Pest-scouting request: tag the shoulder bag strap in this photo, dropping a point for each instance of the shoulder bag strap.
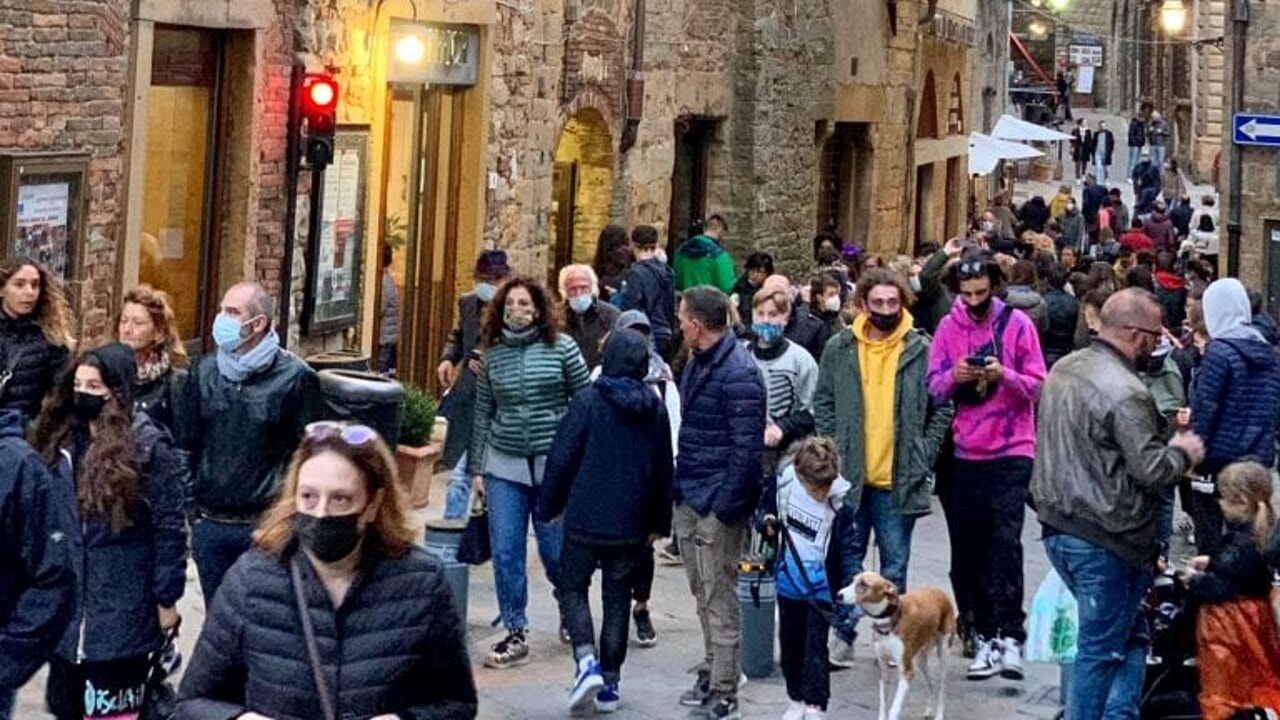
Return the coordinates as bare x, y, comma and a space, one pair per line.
997, 337
322, 687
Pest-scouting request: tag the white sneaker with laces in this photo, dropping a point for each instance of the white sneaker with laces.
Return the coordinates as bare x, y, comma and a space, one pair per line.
795, 711
1010, 659
986, 661
840, 653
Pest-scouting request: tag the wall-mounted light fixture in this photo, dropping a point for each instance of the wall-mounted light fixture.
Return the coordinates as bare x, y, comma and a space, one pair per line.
1173, 16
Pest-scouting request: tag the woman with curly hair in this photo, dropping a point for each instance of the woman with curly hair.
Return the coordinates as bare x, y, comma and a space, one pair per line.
35, 334
339, 543
529, 374
130, 551
147, 325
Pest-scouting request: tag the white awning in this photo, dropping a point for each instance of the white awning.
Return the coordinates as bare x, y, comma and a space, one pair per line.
1009, 127
985, 152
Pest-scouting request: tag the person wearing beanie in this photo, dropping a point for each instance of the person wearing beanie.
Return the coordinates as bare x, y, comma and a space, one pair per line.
457, 372
1235, 401
130, 532
608, 476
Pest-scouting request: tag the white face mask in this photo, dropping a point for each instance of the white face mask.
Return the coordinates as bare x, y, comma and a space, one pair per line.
832, 304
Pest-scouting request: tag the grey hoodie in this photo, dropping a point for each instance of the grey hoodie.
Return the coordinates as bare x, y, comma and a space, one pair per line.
1227, 314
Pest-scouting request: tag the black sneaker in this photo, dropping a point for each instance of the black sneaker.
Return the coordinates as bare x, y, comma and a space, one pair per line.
697, 695
646, 636
511, 651
726, 708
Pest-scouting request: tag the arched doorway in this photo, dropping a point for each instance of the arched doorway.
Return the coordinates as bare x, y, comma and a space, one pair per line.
583, 189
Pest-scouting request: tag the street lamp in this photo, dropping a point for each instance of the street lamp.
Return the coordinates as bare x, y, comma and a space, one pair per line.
1173, 16
410, 50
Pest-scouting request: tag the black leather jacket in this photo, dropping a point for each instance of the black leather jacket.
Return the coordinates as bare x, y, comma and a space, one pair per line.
241, 435
1100, 462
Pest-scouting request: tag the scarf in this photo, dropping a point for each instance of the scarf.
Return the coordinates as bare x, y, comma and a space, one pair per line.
154, 367
237, 367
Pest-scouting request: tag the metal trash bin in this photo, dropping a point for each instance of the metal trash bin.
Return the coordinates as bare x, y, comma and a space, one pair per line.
366, 398
757, 596
441, 542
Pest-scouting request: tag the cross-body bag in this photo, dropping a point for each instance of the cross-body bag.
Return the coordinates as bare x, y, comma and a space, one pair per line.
317, 671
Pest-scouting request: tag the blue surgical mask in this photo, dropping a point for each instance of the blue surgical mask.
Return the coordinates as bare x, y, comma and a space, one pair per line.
226, 332
485, 291
768, 333
581, 303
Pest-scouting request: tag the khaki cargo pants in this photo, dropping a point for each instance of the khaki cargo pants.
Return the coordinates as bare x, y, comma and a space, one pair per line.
711, 551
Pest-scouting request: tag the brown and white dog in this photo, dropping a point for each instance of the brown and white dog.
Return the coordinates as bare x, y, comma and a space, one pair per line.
907, 629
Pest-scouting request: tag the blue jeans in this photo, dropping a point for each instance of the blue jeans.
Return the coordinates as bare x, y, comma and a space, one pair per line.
1157, 156
893, 535
510, 509
1135, 156
458, 494
1100, 171
7, 698
215, 546
1111, 637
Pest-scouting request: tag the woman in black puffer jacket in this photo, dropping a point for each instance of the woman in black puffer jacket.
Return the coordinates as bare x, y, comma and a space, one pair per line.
35, 334
389, 638
130, 548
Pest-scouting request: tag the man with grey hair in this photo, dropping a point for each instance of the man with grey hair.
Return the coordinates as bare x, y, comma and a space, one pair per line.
243, 411
716, 488
1099, 470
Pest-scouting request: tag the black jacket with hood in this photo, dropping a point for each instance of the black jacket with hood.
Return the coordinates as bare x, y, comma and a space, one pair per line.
37, 545
609, 468
651, 287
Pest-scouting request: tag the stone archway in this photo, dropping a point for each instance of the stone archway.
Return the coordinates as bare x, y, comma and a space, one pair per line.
582, 188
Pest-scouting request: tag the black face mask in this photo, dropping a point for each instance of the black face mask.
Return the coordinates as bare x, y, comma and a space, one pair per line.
883, 322
88, 407
979, 311
329, 539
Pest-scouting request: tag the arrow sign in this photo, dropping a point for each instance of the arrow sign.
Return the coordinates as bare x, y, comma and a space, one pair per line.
1256, 130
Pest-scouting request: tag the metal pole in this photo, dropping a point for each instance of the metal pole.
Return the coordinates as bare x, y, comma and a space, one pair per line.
291, 204
1239, 39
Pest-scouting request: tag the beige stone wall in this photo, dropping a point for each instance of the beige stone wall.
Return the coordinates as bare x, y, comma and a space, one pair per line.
1212, 101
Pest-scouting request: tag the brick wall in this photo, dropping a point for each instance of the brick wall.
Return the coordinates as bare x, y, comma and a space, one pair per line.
272, 110
63, 74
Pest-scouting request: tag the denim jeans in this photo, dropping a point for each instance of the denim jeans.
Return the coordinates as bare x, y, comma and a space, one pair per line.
458, 494
1111, 635
7, 698
215, 546
618, 568
1100, 171
988, 506
1157, 156
510, 510
893, 536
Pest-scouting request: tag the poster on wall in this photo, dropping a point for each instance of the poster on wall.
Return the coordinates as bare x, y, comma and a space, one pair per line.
42, 210
333, 261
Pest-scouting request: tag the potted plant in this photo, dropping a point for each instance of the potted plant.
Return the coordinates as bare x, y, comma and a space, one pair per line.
416, 455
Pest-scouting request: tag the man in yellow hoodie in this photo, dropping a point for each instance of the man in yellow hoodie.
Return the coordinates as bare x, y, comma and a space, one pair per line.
873, 400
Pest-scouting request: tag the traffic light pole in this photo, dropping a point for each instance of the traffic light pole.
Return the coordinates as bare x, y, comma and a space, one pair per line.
291, 205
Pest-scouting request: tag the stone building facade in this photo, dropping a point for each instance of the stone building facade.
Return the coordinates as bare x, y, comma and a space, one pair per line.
1184, 79
1115, 26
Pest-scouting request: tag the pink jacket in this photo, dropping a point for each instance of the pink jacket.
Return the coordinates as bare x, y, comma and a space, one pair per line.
1004, 425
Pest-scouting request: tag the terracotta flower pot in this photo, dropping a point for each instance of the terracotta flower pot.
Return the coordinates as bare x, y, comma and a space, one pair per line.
417, 466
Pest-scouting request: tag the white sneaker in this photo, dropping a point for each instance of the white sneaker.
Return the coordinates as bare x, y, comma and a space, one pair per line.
795, 711
1010, 659
586, 682
813, 713
986, 661
840, 653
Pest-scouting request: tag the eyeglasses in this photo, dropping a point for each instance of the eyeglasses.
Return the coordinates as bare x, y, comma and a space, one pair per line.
351, 434
1153, 333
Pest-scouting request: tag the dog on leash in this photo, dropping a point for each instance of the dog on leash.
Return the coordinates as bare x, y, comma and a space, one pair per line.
907, 629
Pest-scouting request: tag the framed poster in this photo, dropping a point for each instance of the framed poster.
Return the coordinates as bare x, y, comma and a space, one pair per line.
43, 213
334, 254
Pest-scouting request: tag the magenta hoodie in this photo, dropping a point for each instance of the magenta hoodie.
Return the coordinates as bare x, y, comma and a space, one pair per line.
1004, 425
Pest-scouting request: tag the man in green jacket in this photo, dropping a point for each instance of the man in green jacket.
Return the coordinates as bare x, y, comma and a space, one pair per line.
873, 401
702, 261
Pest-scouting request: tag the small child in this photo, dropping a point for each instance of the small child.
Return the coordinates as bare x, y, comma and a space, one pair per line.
1238, 647
815, 526
608, 477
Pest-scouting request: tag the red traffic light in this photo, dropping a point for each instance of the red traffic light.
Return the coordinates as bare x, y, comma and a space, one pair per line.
320, 92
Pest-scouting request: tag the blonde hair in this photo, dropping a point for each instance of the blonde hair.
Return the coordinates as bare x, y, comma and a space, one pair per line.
160, 307
1245, 489
780, 300
817, 462
388, 533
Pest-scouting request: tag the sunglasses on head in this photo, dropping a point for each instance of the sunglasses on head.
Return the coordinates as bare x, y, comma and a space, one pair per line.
972, 269
351, 434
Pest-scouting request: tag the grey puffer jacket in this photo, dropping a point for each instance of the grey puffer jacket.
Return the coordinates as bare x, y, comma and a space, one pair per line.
1100, 461
396, 645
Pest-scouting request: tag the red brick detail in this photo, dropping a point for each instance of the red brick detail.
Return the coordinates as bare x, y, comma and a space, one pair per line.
594, 60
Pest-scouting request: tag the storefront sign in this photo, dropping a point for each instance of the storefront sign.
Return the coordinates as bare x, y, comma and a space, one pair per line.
1085, 55
432, 53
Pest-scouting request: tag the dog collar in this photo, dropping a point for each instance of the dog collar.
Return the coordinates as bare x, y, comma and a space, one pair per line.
886, 622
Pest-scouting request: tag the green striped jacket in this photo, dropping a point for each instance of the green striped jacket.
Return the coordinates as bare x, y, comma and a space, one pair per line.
522, 391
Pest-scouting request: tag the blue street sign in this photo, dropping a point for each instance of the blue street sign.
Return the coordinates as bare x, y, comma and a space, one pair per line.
1256, 130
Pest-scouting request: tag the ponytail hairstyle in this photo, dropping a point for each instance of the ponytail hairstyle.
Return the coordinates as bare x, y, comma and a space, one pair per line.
1245, 488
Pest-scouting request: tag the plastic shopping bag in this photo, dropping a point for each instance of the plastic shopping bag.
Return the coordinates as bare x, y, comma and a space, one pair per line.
1051, 636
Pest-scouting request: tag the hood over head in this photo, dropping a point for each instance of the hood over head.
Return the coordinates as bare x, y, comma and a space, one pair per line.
1226, 311
119, 369
700, 246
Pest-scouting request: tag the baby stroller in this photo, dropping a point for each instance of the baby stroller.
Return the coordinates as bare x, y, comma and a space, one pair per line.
1171, 688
